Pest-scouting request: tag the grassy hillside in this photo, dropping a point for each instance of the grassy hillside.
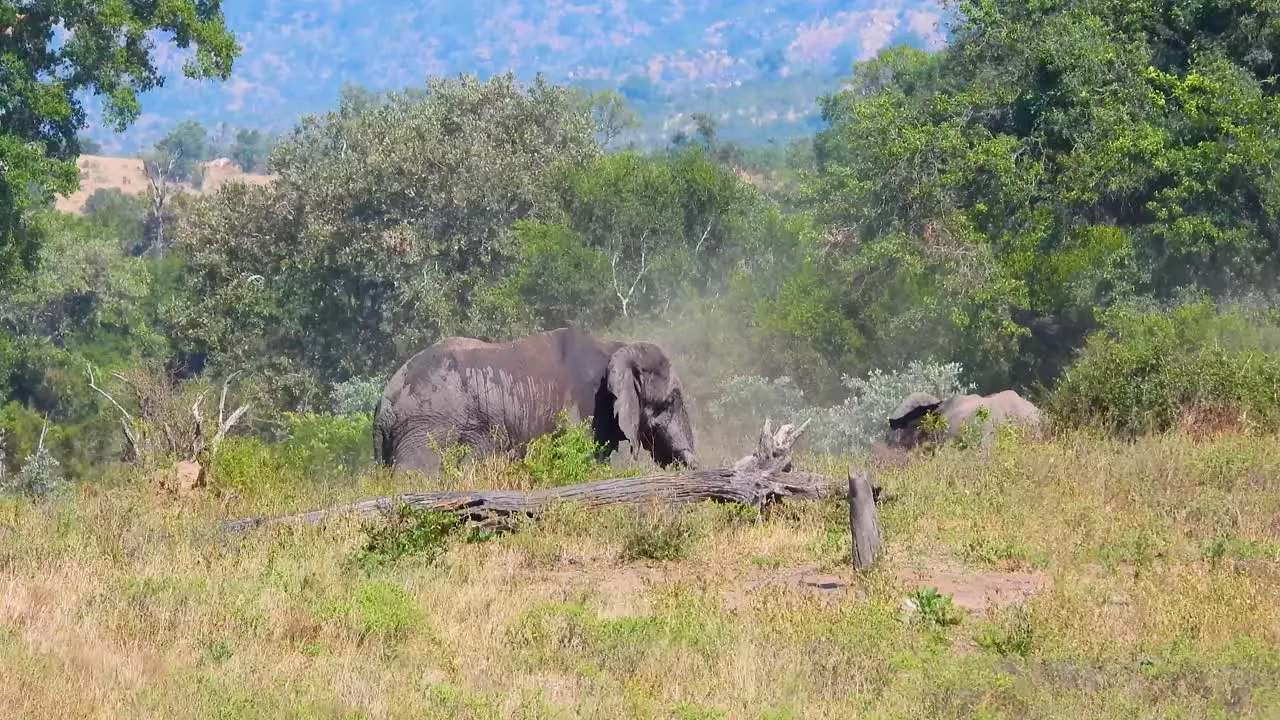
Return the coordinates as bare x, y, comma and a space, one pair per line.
1077, 578
297, 55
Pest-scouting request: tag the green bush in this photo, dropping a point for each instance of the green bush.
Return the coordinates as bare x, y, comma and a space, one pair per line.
659, 534
247, 463
317, 446
406, 531
567, 456
319, 443
1145, 368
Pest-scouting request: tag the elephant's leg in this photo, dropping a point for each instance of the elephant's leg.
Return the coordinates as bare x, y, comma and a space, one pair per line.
416, 453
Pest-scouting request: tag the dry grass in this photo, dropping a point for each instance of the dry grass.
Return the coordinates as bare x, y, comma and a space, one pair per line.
99, 172
1129, 581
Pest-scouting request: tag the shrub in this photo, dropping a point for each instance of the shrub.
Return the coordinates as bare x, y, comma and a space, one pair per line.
1147, 367
357, 395
855, 424
663, 534
566, 456
407, 531
40, 474
247, 463
863, 417
324, 443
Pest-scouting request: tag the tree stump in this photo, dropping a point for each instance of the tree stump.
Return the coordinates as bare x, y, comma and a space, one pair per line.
864, 520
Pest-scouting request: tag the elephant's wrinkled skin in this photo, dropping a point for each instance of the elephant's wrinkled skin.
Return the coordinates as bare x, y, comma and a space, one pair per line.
1006, 406
496, 397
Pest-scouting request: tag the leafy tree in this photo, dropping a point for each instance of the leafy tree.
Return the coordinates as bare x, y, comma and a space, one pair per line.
651, 230
391, 225
612, 115
123, 214
86, 302
983, 200
561, 278
104, 50
250, 149
181, 151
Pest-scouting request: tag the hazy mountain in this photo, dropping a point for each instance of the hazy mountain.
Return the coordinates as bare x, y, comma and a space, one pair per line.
756, 64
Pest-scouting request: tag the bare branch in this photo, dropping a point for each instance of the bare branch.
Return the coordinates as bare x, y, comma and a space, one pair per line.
227, 425
197, 438
133, 448
644, 267
222, 401
705, 234
94, 385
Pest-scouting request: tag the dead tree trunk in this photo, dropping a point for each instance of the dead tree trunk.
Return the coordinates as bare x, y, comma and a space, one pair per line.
756, 480
864, 520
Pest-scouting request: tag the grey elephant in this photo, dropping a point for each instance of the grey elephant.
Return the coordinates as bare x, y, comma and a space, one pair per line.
906, 428
496, 397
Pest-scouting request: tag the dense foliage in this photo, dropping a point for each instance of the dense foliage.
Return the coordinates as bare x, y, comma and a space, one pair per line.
1026, 208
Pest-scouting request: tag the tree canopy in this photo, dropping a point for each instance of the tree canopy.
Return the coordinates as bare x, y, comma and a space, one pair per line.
1051, 160
52, 51
990, 204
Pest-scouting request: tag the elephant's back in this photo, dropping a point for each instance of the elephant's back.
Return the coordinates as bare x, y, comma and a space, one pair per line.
1015, 407
509, 379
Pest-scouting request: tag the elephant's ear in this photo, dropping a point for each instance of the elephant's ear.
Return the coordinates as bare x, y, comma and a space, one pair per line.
623, 381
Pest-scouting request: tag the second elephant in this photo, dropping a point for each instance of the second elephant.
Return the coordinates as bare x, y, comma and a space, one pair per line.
957, 412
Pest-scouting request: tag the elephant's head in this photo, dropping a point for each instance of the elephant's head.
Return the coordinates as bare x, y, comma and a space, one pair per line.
649, 404
904, 422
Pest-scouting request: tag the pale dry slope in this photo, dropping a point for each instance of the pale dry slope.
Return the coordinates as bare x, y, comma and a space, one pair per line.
99, 172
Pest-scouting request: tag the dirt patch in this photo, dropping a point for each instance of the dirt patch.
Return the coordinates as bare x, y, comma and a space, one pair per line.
621, 594
612, 592
974, 590
827, 588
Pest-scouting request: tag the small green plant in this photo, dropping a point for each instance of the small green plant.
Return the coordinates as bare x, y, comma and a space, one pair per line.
407, 531
659, 535
932, 429
218, 651
971, 433
452, 456
1012, 634
40, 474
933, 608
567, 456
384, 610
689, 711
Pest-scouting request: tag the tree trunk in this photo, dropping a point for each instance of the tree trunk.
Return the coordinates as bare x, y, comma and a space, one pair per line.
755, 488
864, 520
756, 480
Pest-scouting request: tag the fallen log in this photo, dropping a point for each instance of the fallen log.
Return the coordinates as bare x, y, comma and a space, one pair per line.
756, 480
